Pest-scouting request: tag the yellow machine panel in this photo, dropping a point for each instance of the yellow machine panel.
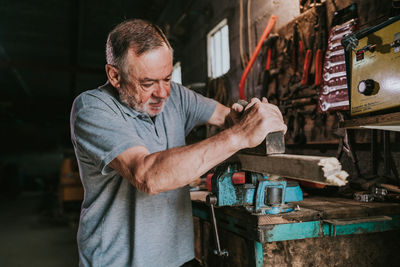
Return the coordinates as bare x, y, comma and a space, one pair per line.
375, 69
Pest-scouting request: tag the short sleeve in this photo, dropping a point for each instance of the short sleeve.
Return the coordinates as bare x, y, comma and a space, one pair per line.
197, 108
101, 134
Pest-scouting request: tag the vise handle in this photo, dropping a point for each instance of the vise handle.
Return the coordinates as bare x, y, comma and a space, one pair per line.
211, 200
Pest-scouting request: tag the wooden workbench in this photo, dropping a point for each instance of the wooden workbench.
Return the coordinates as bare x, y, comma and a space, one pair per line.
321, 232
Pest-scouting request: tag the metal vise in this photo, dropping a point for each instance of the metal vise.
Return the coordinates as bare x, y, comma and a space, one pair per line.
255, 191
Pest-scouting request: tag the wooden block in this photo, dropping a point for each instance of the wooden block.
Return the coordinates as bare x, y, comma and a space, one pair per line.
325, 170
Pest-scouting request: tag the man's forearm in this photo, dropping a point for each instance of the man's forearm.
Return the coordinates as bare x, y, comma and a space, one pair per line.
176, 167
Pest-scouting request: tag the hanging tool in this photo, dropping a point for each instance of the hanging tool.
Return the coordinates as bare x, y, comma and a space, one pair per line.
301, 51
295, 51
265, 34
269, 44
306, 67
318, 59
268, 61
307, 61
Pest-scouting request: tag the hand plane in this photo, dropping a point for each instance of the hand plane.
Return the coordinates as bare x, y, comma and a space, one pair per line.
274, 143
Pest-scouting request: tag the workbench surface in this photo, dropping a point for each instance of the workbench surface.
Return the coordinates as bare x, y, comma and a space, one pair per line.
315, 216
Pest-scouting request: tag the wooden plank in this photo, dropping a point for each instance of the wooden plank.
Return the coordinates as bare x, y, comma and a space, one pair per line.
302, 215
372, 208
348, 208
330, 209
335, 211
324, 170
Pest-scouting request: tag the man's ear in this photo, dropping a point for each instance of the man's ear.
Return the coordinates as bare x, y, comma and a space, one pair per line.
113, 75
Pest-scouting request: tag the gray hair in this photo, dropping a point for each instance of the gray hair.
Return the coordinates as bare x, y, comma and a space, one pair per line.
138, 34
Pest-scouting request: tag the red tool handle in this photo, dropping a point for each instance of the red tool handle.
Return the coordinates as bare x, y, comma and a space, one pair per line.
268, 61
306, 69
318, 67
265, 34
301, 50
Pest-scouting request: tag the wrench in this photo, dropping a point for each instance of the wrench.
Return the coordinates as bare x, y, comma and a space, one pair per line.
328, 76
330, 54
329, 64
329, 89
333, 45
325, 105
337, 81
344, 27
340, 35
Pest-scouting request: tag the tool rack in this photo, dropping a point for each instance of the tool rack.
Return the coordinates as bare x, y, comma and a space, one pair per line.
315, 217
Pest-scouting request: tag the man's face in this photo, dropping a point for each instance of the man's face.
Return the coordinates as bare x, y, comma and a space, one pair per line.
148, 80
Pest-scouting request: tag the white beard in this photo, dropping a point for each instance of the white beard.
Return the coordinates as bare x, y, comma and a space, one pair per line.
128, 98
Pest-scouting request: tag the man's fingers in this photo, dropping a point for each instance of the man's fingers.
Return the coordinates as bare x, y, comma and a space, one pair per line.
274, 108
237, 107
253, 101
270, 107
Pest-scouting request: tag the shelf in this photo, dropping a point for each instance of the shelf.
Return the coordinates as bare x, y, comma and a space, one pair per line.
389, 122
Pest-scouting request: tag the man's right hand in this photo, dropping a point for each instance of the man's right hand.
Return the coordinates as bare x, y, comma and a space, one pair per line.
257, 120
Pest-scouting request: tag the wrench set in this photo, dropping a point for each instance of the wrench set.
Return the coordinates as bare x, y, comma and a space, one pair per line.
333, 94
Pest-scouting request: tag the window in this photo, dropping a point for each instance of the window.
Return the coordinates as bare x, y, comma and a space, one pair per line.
177, 73
218, 50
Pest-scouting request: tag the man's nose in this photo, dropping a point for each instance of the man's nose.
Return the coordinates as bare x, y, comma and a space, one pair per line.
161, 90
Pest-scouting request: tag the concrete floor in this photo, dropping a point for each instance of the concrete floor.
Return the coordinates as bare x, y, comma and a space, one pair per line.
33, 233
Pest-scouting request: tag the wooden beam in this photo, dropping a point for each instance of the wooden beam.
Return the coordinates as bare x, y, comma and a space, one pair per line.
324, 170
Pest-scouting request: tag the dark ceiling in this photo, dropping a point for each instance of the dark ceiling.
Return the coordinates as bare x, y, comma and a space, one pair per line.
51, 50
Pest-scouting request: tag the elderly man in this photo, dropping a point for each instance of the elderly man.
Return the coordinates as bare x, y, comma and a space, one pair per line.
129, 139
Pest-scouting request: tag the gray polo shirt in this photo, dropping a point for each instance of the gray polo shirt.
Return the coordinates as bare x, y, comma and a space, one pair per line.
120, 225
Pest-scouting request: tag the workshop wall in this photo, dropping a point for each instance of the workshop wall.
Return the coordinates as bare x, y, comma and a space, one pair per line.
298, 104
310, 131
194, 65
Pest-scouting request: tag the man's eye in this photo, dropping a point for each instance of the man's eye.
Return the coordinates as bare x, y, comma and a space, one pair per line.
147, 85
